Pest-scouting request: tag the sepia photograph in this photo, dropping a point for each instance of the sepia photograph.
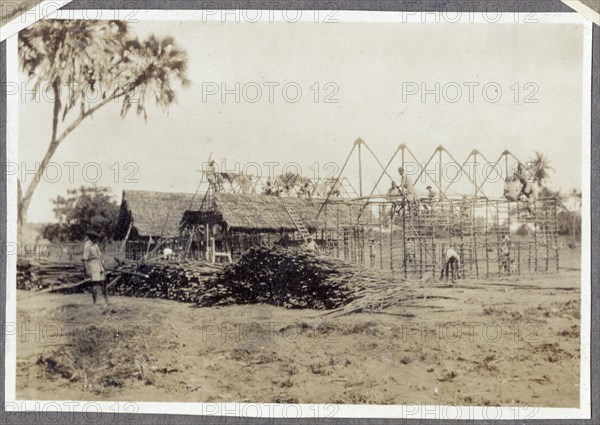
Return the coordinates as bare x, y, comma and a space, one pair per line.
16, 15
301, 213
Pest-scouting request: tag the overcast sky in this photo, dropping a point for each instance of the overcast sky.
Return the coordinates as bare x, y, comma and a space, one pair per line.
369, 67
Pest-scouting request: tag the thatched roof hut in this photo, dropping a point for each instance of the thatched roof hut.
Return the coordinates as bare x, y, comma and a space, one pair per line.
262, 213
153, 214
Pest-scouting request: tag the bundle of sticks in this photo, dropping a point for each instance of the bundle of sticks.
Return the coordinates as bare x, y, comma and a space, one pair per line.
287, 277
292, 278
172, 280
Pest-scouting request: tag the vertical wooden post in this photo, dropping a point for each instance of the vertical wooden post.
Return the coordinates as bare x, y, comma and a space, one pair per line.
555, 221
207, 240
547, 253
380, 235
360, 174
462, 237
518, 257
122, 247
475, 173
434, 259
404, 264
337, 230
363, 261
487, 259
440, 174
535, 242
392, 239
486, 247
421, 242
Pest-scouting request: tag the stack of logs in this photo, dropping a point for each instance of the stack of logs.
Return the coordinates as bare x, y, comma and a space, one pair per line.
288, 277
171, 280
44, 275
292, 278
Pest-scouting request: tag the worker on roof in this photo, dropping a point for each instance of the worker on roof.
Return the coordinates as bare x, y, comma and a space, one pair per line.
268, 188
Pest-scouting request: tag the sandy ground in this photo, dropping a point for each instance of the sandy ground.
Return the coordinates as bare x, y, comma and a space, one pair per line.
498, 342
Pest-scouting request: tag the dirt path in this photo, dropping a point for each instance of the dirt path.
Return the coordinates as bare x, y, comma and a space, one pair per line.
496, 342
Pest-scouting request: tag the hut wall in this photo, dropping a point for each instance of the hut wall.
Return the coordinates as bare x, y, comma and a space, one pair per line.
137, 248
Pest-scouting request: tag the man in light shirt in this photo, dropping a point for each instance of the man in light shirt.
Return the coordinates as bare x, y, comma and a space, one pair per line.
94, 266
451, 264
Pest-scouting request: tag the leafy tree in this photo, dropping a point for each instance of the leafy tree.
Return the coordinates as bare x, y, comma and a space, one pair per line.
83, 209
83, 65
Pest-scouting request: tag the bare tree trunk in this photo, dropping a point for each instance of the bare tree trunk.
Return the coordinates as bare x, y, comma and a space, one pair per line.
54, 143
26, 200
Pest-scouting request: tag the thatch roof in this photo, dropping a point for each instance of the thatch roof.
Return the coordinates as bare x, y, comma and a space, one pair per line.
156, 214
268, 213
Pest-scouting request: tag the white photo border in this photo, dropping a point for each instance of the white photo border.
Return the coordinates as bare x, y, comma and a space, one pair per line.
317, 411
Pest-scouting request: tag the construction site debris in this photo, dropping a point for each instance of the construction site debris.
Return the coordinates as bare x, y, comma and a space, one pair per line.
287, 277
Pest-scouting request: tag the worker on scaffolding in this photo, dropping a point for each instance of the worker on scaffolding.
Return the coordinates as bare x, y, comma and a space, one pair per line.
451, 264
520, 175
431, 195
335, 190
407, 189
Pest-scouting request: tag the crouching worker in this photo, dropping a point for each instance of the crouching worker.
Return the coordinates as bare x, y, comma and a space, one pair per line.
451, 264
94, 266
311, 245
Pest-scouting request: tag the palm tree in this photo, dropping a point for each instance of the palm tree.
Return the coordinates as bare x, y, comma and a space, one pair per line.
84, 65
577, 195
541, 168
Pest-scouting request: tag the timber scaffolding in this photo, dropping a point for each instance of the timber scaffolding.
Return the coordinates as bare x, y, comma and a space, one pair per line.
492, 236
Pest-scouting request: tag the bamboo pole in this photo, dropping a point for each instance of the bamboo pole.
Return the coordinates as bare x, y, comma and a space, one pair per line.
404, 238
519, 258
487, 257
360, 174
123, 245
380, 236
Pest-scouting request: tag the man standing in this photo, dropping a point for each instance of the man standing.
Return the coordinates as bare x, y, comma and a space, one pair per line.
94, 266
505, 261
407, 186
430, 198
406, 182
408, 190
